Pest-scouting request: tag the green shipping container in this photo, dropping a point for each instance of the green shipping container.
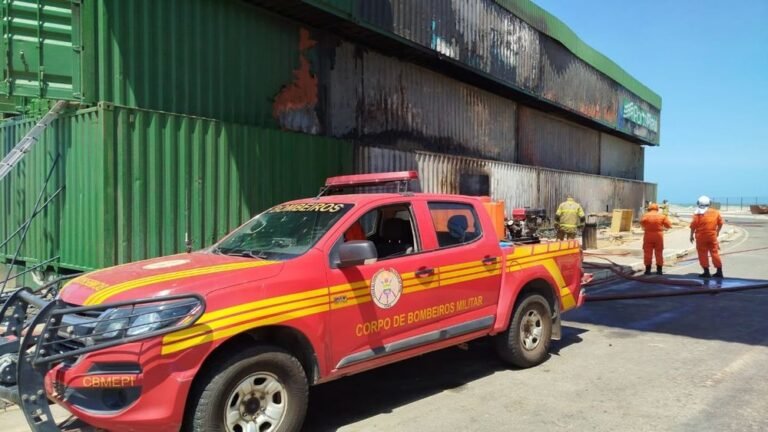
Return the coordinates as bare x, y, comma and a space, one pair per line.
221, 59
136, 181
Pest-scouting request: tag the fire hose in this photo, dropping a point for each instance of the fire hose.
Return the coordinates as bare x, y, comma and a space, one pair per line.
697, 287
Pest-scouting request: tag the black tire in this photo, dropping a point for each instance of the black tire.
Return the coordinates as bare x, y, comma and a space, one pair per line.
209, 399
510, 344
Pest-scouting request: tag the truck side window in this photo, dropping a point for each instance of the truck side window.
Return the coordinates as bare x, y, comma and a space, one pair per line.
391, 229
455, 223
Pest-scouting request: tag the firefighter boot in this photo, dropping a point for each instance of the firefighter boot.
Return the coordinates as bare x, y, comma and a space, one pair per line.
718, 273
658, 270
705, 274
647, 270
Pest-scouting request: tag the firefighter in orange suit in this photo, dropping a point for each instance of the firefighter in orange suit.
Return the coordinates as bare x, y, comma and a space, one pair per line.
705, 228
654, 224
568, 219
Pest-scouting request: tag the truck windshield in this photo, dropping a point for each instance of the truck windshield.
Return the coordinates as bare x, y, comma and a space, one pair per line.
282, 232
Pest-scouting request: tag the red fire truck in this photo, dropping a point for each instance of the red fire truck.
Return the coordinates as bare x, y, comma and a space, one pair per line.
230, 338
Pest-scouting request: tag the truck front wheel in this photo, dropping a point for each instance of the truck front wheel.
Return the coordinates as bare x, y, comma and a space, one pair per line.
256, 390
526, 341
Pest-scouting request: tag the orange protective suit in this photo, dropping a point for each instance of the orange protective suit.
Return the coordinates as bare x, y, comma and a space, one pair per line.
706, 226
355, 232
654, 224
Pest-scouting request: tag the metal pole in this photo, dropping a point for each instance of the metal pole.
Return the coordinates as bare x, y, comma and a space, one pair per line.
29, 220
28, 224
35, 267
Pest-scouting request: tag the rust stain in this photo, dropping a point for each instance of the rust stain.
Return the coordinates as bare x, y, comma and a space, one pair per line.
305, 42
294, 105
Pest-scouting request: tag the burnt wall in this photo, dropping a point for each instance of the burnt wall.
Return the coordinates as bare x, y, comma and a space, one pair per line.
484, 43
381, 101
620, 158
551, 142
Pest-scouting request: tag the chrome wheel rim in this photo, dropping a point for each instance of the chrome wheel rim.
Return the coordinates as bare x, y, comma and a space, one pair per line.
257, 404
531, 328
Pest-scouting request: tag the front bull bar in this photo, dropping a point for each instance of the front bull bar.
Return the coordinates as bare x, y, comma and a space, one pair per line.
26, 354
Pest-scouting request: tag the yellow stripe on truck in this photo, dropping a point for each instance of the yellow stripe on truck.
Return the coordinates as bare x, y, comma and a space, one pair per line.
245, 316
566, 297
218, 332
102, 295
235, 319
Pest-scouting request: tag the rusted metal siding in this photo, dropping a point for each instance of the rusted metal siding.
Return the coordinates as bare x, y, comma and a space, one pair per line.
509, 43
620, 158
551, 142
651, 192
571, 82
517, 185
630, 195
594, 193
481, 34
382, 101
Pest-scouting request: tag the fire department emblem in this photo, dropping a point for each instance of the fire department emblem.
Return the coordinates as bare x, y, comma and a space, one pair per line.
386, 287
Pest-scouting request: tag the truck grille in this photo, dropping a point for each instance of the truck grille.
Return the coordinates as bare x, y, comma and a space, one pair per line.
74, 329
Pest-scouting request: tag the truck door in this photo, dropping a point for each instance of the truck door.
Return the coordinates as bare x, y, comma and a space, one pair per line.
369, 309
470, 260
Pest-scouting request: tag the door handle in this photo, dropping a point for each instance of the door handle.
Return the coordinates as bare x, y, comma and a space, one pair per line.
489, 260
424, 272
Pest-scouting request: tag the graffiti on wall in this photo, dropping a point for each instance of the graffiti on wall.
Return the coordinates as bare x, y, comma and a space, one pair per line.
294, 106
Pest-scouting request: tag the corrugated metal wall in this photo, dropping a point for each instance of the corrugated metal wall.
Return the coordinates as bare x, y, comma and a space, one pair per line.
218, 59
76, 216
620, 158
481, 34
517, 185
38, 59
551, 142
382, 101
596, 194
576, 85
136, 181
487, 38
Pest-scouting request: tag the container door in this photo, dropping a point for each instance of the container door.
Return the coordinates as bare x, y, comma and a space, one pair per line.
39, 54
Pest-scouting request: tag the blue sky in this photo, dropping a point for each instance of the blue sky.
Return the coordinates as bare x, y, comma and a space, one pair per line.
709, 62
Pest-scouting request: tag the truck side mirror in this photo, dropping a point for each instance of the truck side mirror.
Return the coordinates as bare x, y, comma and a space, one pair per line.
357, 252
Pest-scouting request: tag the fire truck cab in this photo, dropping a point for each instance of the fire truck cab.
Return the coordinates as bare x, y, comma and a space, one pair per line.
230, 338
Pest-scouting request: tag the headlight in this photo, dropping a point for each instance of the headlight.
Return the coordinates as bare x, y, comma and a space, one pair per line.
136, 320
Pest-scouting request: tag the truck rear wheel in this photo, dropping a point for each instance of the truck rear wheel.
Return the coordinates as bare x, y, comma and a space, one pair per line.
260, 389
526, 341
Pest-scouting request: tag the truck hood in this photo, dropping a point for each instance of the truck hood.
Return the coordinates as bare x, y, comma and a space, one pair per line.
198, 273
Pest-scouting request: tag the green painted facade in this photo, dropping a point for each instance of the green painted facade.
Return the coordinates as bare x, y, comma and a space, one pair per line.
219, 59
136, 181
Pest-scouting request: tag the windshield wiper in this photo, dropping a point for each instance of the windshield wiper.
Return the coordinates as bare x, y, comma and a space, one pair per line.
242, 253
253, 254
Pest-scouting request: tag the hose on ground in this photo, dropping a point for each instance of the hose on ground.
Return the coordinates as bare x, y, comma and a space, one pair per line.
626, 273
658, 294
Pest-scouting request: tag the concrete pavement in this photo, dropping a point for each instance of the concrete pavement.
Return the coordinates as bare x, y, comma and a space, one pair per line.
677, 364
